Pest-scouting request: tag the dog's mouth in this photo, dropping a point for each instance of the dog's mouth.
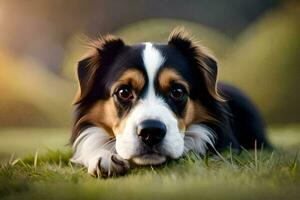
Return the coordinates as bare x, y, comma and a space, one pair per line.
149, 159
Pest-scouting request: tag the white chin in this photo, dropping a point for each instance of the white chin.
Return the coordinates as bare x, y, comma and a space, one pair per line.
149, 159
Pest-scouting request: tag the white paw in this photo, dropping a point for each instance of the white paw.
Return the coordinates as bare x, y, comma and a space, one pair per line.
108, 164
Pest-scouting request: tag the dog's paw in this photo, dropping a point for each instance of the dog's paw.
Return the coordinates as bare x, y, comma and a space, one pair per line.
108, 165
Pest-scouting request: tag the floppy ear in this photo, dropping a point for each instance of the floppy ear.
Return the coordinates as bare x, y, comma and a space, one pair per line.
198, 56
102, 54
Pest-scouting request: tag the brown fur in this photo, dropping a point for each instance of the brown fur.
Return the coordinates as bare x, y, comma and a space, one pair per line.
131, 77
194, 112
167, 76
104, 114
197, 113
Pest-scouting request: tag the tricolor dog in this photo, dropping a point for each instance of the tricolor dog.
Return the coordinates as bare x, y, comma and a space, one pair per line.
143, 104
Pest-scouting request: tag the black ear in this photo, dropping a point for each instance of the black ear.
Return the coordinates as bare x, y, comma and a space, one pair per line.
103, 52
84, 72
198, 56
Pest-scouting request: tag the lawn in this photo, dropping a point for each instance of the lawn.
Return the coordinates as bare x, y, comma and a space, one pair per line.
39, 169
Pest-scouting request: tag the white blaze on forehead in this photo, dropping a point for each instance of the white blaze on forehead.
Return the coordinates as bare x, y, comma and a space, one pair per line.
153, 60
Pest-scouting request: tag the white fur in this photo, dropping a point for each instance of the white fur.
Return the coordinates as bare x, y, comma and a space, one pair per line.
128, 144
197, 137
149, 159
88, 145
94, 150
152, 60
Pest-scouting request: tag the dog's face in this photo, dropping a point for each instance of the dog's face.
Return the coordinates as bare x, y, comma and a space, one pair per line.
146, 96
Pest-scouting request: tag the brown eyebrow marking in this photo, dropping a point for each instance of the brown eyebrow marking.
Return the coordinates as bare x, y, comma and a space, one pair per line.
195, 112
168, 76
132, 77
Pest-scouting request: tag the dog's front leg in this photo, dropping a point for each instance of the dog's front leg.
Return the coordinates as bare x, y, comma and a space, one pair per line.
96, 150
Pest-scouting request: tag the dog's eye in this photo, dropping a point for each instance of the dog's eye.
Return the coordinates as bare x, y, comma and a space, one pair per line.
125, 94
177, 94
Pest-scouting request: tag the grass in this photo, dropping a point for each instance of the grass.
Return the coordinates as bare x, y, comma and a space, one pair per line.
251, 175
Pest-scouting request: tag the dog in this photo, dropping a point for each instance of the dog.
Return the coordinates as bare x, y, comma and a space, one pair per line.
146, 103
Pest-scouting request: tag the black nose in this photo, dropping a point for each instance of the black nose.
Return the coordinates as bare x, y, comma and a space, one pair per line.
151, 131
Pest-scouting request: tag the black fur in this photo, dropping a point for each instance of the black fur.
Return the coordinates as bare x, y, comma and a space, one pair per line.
246, 124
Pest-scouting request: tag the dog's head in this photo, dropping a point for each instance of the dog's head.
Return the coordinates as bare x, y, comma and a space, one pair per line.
147, 96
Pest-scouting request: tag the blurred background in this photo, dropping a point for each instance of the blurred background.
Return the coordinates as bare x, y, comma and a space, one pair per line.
257, 44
